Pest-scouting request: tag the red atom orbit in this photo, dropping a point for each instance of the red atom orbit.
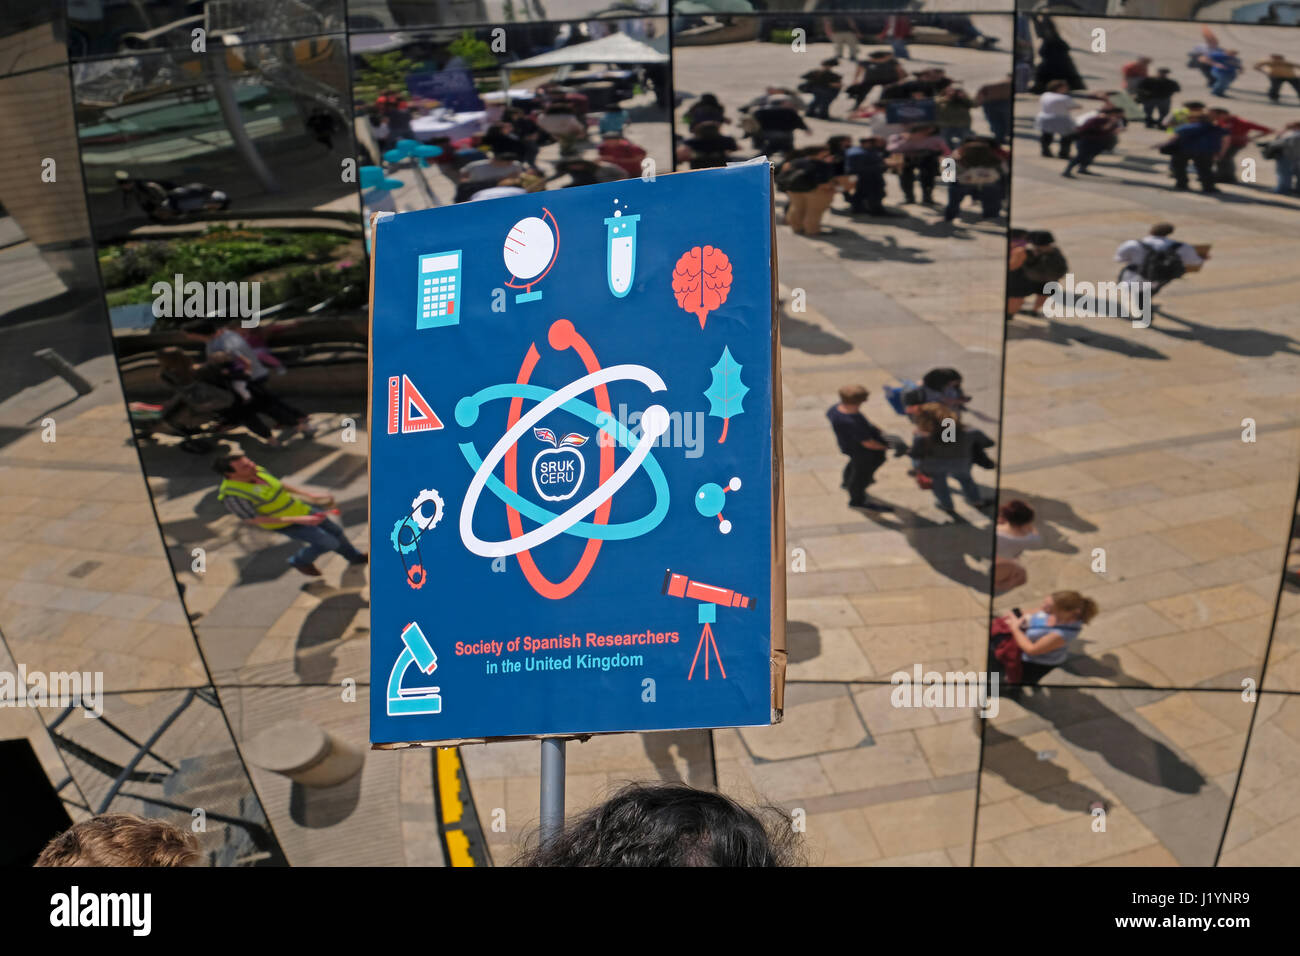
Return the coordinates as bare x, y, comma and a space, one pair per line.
562, 335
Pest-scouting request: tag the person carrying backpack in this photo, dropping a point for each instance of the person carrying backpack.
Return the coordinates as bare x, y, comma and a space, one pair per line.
1156, 258
1032, 266
880, 68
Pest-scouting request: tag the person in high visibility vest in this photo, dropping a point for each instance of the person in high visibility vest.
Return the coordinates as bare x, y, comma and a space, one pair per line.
253, 494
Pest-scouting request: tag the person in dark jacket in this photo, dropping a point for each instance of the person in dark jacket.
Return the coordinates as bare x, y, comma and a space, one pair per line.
823, 85
862, 441
866, 164
942, 448
1155, 93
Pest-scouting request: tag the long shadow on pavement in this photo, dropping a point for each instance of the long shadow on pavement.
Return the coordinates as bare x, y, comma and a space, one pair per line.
1249, 343
1061, 333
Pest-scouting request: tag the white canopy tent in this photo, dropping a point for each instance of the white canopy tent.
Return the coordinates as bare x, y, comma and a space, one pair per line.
617, 48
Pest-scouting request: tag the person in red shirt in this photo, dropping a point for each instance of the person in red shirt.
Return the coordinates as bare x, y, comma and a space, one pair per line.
1134, 73
622, 153
1239, 130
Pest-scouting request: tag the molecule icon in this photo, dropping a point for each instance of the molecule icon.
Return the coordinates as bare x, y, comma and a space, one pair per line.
710, 500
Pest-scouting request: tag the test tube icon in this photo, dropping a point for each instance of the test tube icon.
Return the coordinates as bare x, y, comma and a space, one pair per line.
620, 252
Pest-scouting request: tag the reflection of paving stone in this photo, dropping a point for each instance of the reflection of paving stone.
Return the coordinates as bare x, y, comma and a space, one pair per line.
824, 720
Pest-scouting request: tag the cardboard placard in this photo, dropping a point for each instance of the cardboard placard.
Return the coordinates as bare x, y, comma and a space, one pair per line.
576, 511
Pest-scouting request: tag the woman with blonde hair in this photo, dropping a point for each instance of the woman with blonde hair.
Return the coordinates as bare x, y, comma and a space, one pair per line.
1044, 636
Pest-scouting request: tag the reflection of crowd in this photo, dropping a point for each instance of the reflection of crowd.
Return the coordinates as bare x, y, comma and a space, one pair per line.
921, 128
1205, 138
503, 159
227, 389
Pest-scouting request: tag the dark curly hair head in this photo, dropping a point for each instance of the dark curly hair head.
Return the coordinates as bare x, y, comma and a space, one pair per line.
670, 825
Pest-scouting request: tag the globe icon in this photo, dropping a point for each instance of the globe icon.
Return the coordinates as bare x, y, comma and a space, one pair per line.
529, 252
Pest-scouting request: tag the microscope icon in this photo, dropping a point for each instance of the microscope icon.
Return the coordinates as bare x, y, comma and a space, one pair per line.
413, 700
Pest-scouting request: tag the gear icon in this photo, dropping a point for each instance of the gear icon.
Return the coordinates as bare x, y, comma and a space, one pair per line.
405, 547
416, 576
426, 522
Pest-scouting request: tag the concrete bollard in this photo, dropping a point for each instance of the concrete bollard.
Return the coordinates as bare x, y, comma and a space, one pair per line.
64, 370
304, 753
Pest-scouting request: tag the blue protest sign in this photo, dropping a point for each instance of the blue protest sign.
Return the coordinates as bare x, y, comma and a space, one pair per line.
453, 88
574, 481
910, 111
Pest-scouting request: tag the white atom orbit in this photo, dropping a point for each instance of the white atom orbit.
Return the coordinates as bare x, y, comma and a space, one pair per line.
426, 522
654, 422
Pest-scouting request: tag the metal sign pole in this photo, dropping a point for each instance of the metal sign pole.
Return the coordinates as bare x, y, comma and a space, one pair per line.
552, 810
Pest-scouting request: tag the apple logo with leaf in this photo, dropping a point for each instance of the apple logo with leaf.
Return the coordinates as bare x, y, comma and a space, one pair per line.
558, 470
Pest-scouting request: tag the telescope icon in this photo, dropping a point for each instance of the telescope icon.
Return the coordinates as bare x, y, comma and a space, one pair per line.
709, 596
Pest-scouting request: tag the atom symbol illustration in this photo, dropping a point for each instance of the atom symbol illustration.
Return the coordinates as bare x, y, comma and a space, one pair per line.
654, 422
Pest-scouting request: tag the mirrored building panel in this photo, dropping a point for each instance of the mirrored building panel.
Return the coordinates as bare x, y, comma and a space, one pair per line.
1265, 823
84, 584
169, 755
890, 284
32, 35
224, 198
1151, 365
1257, 12
496, 111
1077, 777
105, 28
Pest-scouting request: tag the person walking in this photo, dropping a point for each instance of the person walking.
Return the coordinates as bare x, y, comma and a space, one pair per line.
864, 444
979, 173
1155, 259
1285, 153
843, 33
995, 100
1032, 265
943, 449
952, 113
1054, 60
866, 164
823, 85
1199, 142
258, 498
1016, 533
1239, 137
880, 68
920, 148
777, 121
1054, 119
1224, 69
1094, 137
1043, 637
808, 177
225, 346
1155, 94
1279, 70
1134, 72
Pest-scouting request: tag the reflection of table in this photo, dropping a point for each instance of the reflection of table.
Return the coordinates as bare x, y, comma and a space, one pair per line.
458, 126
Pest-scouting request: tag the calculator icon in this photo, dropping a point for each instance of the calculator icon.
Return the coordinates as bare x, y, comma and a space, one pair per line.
438, 295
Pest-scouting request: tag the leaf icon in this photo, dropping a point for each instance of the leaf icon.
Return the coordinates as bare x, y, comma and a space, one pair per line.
726, 393
544, 434
701, 280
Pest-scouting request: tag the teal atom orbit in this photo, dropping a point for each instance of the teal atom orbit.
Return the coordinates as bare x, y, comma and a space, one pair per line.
467, 414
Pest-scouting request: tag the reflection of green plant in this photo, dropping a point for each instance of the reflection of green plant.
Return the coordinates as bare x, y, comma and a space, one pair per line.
476, 53
382, 71
225, 254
